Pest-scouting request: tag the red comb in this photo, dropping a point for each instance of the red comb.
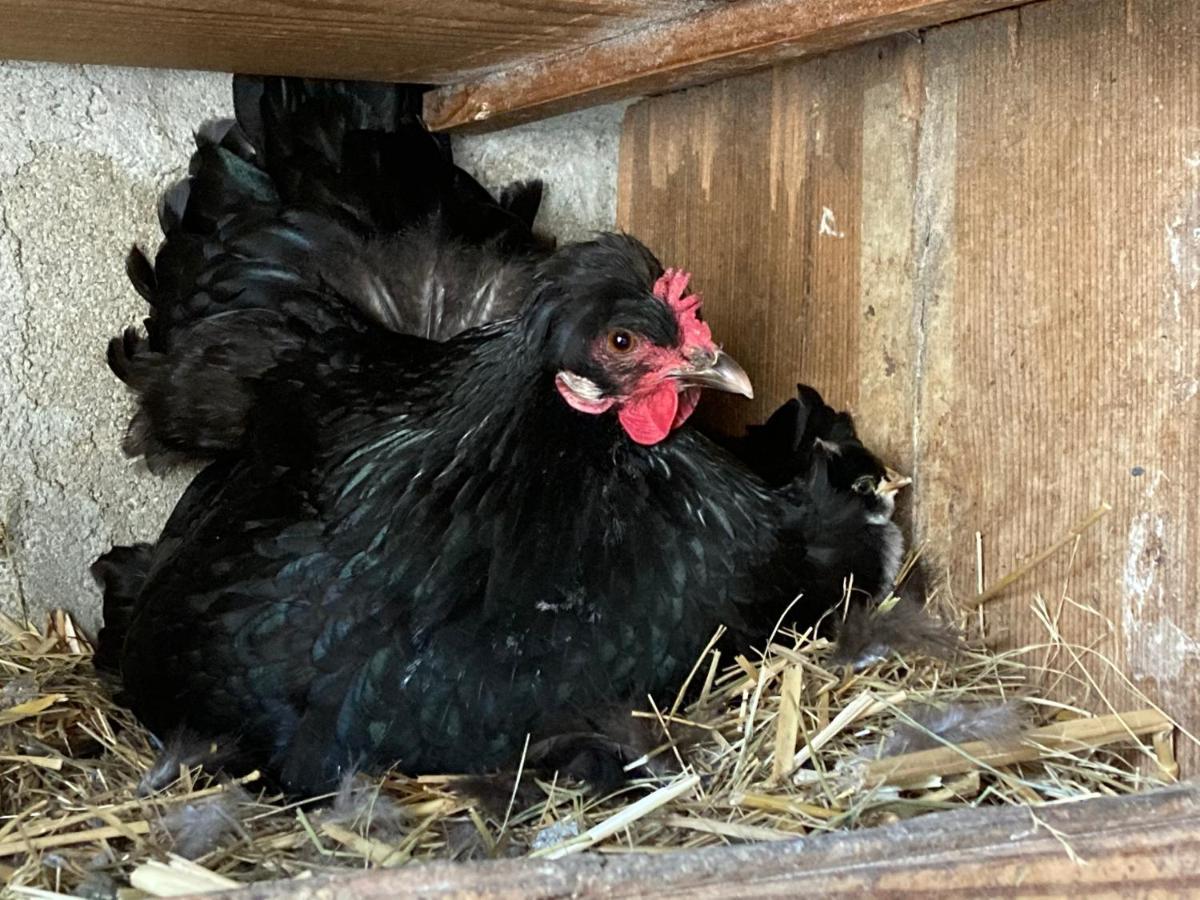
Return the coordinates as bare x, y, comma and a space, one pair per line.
670, 287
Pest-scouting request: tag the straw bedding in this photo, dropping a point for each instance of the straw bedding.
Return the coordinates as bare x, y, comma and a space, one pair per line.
780, 744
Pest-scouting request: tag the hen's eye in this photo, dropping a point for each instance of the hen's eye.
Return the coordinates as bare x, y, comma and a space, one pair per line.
621, 341
864, 485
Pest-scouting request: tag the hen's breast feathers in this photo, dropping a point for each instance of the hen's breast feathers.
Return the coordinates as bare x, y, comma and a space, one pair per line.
459, 550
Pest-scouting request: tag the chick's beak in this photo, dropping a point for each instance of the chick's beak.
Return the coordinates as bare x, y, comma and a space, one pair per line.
716, 370
892, 481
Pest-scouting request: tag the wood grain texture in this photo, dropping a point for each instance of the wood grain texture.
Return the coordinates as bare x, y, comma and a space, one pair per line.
725, 39
753, 184
401, 40
1006, 291
1136, 846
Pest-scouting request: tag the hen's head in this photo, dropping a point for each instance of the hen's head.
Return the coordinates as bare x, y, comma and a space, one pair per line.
622, 336
850, 469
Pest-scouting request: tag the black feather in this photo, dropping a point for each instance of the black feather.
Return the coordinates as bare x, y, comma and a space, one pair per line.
121, 573
141, 274
324, 206
869, 633
523, 199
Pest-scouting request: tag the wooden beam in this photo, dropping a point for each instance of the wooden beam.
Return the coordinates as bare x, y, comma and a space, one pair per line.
1131, 845
721, 41
503, 61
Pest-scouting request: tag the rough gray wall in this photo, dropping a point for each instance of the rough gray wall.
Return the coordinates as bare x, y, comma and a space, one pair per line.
576, 155
84, 153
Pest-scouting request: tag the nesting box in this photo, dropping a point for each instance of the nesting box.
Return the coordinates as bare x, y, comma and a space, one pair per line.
973, 223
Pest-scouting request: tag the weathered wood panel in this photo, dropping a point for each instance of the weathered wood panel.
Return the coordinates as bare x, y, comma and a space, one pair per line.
1132, 846
727, 38
754, 185
1006, 288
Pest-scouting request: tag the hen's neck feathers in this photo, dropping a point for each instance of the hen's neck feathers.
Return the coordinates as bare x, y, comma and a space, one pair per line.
486, 397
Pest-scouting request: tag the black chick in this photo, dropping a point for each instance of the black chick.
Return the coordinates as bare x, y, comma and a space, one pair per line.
808, 440
414, 551
850, 492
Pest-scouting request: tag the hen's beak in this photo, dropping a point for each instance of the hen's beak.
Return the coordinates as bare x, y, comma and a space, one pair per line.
720, 372
892, 481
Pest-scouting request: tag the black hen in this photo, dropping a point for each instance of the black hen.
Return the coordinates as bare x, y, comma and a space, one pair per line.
419, 551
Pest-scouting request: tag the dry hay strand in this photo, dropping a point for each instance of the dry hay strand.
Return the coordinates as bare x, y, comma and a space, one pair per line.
791, 744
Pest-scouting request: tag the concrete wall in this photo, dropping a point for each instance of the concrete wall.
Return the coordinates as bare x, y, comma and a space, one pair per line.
84, 153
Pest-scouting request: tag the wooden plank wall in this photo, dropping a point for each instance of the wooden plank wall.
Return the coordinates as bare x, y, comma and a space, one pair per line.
985, 241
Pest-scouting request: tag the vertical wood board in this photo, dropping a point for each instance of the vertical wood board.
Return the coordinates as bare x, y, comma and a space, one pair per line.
987, 244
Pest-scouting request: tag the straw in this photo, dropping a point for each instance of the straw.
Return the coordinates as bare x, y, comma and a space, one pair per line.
788, 743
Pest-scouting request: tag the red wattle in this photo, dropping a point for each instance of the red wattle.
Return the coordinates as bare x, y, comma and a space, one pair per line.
649, 417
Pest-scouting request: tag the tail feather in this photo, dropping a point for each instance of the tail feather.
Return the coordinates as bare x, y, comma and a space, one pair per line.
140, 272
120, 572
123, 352
287, 117
220, 184
172, 205
227, 134
323, 206
523, 199
358, 147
